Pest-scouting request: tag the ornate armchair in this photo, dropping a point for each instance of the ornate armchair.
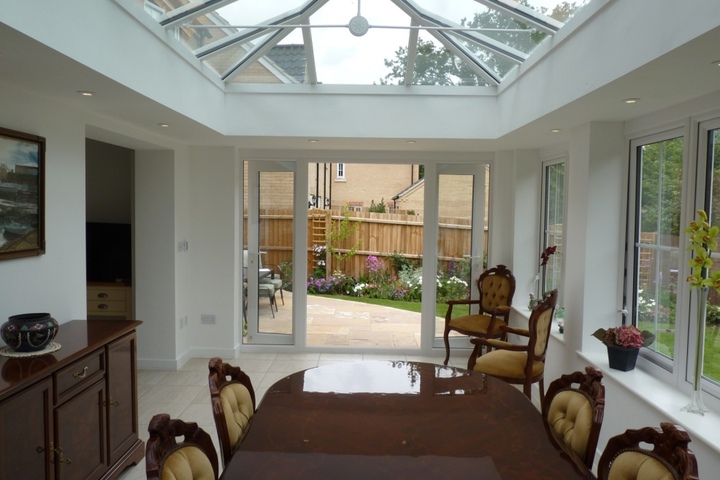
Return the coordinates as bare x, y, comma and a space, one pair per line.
194, 458
233, 403
670, 458
497, 287
573, 408
520, 364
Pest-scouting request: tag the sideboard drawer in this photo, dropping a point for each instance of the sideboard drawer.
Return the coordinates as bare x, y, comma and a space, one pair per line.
109, 301
105, 306
76, 375
106, 294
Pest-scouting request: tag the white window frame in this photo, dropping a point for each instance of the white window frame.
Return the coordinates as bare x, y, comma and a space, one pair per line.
660, 366
543, 220
679, 371
340, 172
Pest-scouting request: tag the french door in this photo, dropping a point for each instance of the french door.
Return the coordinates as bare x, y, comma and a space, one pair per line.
460, 194
268, 308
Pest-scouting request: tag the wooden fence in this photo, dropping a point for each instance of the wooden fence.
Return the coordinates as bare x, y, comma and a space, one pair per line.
377, 234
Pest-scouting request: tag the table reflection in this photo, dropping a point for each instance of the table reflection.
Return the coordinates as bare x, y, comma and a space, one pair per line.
391, 378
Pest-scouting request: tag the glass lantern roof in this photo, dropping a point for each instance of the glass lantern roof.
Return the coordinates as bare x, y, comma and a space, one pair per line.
355, 42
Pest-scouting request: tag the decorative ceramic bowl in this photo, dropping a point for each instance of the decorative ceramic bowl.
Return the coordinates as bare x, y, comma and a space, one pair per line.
29, 332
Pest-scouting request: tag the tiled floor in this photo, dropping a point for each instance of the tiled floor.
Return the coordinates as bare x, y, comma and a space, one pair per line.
184, 393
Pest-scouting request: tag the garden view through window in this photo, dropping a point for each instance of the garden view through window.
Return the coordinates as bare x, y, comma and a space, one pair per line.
659, 285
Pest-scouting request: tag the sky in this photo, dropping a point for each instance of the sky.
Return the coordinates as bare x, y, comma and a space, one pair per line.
341, 57
17, 152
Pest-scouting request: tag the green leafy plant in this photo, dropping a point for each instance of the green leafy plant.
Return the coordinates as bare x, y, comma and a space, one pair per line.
345, 230
377, 207
703, 240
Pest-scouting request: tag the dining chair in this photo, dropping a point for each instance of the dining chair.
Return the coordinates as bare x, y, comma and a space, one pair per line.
520, 364
194, 458
497, 287
573, 408
670, 458
233, 404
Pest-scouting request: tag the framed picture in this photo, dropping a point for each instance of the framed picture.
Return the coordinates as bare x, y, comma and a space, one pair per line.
22, 194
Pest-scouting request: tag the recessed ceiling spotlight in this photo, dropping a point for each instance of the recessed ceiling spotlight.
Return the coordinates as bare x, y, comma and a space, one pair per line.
163, 125
411, 141
630, 101
556, 130
86, 93
313, 140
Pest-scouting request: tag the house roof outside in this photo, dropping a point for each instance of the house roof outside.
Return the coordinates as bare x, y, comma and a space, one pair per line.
291, 59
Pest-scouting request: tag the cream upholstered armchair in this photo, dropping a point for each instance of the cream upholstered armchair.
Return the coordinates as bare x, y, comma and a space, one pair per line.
192, 459
520, 364
669, 459
233, 403
497, 287
573, 408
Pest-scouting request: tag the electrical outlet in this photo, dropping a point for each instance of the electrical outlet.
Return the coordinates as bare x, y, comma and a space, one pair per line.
207, 319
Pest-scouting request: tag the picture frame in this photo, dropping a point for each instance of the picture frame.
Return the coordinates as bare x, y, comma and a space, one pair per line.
22, 194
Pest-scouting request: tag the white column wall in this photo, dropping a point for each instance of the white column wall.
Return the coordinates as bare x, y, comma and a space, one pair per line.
154, 282
213, 278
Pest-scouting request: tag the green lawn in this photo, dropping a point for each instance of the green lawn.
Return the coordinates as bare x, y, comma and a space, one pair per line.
440, 308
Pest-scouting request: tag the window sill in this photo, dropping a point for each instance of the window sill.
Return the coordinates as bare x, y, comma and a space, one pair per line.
662, 397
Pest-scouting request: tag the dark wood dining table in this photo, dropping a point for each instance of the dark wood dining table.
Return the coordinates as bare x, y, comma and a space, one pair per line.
394, 420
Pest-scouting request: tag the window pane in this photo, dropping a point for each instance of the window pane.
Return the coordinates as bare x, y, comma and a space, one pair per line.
711, 360
554, 217
656, 249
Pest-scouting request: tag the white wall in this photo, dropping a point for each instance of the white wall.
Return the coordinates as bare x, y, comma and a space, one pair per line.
213, 277
108, 186
53, 282
154, 282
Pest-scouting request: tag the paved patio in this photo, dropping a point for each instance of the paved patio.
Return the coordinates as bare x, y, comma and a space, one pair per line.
346, 323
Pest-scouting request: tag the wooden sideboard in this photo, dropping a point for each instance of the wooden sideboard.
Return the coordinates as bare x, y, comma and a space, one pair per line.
72, 414
109, 301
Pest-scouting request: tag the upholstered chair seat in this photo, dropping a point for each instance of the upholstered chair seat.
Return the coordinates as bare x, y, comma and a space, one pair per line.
496, 288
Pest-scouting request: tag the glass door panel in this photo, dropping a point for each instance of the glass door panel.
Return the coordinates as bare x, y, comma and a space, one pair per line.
268, 254
461, 245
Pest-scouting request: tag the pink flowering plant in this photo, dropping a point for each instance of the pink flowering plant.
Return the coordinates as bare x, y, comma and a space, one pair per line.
625, 336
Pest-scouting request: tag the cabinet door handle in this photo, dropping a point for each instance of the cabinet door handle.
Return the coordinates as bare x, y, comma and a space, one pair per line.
110, 403
61, 459
102, 295
102, 306
81, 374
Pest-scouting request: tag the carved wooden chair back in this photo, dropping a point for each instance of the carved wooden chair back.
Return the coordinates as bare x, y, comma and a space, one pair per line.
670, 457
573, 408
233, 403
194, 458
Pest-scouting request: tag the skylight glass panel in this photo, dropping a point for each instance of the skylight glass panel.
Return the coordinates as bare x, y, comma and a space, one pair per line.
459, 42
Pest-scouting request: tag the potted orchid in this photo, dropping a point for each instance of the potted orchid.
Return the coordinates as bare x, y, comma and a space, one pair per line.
623, 345
544, 258
703, 240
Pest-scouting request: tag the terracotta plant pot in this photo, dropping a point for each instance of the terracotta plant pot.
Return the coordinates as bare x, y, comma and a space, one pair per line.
622, 358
